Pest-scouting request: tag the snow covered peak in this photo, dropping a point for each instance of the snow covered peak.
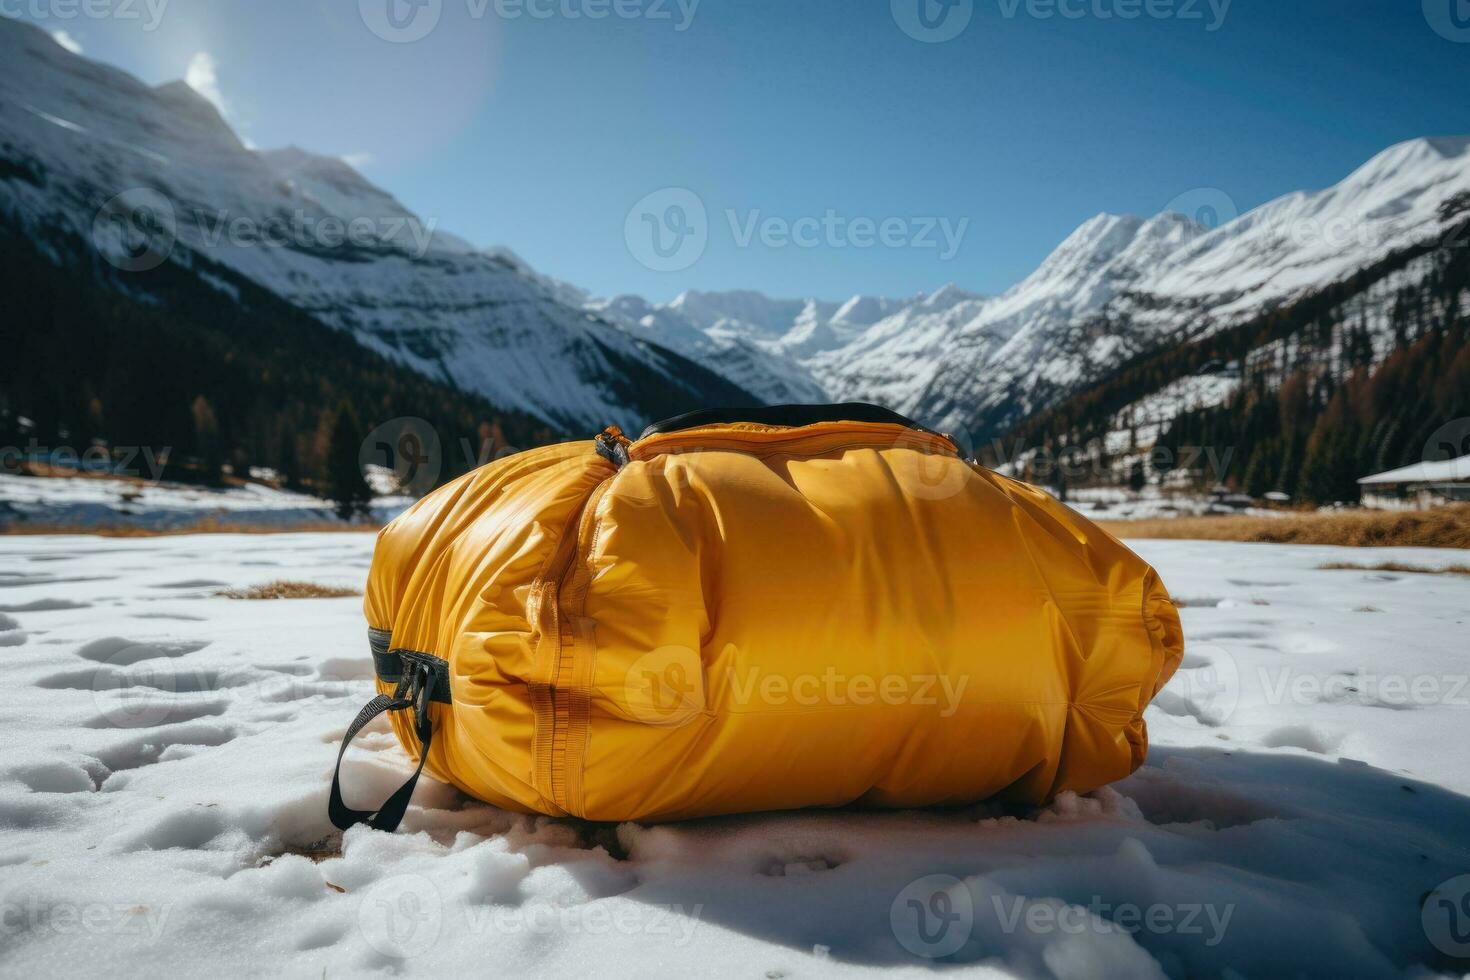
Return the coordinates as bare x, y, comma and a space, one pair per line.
624, 306
1309, 238
946, 296
180, 97
1094, 243
1426, 151
771, 317
861, 310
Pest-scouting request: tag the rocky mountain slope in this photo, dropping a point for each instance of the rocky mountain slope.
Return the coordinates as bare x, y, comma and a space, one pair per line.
151, 175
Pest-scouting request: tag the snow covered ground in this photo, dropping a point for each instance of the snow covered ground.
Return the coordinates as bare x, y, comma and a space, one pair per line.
98, 501
1305, 809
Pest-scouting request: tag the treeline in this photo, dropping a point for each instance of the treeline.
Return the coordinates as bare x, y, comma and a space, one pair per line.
1312, 413
93, 357
1314, 435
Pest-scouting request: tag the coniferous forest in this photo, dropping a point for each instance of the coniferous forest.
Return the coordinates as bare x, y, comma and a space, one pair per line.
88, 358
1316, 407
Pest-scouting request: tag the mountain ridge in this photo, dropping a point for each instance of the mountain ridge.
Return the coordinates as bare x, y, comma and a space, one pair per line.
93, 150
77, 136
1117, 286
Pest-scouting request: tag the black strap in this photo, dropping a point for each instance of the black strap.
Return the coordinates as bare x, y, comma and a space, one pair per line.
418, 686
792, 415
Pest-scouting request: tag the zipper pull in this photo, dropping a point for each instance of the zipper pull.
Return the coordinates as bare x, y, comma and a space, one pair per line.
612, 446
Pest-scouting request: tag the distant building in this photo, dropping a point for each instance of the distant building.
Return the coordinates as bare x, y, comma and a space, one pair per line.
1419, 486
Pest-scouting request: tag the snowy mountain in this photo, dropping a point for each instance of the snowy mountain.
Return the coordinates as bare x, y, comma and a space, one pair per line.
156, 174
771, 347
1304, 240
1116, 287
722, 347
90, 150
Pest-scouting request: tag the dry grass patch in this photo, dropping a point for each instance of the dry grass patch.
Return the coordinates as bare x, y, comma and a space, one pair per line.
1395, 566
283, 589
1444, 527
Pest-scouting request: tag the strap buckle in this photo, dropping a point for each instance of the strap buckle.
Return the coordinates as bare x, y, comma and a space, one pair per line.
415, 691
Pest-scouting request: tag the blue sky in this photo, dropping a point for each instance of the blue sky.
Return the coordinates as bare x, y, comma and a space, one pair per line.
513, 123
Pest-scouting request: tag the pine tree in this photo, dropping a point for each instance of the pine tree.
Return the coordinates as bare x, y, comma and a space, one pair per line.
206, 439
344, 481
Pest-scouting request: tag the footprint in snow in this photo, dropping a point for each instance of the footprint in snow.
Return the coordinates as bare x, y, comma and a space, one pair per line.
45, 605
57, 776
148, 748
150, 713
18, 580
150, 675
1302, 737
10, 632
189, 829
120, 652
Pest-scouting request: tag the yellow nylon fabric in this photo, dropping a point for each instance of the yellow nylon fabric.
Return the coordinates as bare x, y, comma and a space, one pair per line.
750, 617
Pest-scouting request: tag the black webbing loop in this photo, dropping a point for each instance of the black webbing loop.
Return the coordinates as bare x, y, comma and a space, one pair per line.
418, 687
